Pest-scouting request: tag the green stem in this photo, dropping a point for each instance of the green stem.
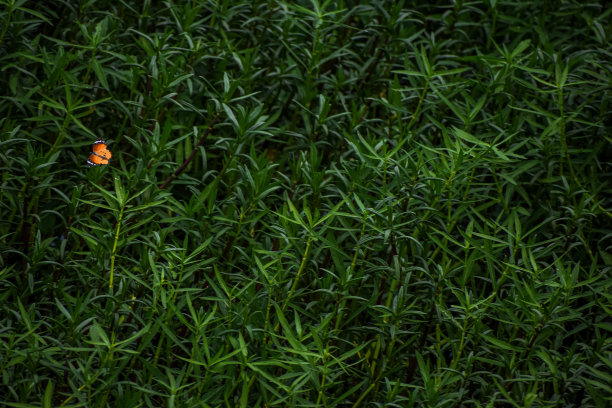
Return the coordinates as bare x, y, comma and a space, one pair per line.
418, 108
60, 136
356, 404
297, 277
323, 379
351, 270
6, 26
114, 253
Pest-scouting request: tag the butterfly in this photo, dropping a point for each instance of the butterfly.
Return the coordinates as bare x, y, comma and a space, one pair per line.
100, 154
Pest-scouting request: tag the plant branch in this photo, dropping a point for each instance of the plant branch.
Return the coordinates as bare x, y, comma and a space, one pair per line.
191, 155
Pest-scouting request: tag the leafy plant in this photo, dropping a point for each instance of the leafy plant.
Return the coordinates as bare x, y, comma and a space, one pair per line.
312, 203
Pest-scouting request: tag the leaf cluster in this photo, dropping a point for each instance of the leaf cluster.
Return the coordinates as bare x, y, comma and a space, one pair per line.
310, 203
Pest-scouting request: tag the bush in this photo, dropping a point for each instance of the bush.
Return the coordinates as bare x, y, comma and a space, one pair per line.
340, 203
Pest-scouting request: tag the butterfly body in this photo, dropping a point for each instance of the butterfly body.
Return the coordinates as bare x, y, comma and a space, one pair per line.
100, 154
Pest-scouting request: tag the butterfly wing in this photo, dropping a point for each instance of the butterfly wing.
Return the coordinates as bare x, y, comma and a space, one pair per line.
99, 145
106, 153
100, 154
95, 160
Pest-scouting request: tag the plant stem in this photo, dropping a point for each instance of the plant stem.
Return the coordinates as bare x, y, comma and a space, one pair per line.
114, 253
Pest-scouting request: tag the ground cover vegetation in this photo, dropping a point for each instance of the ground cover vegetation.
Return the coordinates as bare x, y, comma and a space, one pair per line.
311, 203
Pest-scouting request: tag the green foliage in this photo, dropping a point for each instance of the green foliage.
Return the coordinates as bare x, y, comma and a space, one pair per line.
312, 203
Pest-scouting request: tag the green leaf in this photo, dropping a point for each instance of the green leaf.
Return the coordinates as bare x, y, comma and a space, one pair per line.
48, 395
502, 344
288, 331
100, 74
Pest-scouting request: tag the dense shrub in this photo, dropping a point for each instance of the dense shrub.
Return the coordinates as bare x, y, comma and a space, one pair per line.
311, 203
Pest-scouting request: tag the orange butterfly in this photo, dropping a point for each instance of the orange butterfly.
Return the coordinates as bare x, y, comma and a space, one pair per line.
100, 154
